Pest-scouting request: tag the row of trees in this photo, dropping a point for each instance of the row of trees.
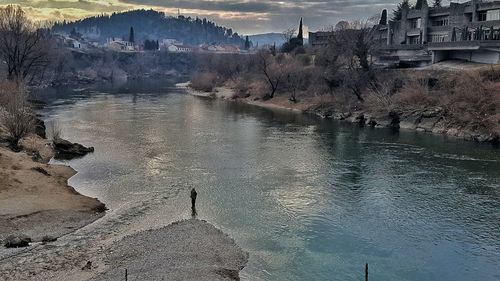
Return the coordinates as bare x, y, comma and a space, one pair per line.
152, 24
405, 4
24, 48
342, 66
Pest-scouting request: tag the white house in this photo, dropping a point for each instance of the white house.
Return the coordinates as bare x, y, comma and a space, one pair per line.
175, 48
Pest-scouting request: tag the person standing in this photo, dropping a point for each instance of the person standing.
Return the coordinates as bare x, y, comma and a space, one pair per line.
194, 194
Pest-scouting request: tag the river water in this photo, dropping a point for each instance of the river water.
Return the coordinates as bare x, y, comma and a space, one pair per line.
309, 199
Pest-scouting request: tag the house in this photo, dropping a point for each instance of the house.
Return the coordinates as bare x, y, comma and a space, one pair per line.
320, 39
176, 48
120, 45
164, 43
467, 31
223, 49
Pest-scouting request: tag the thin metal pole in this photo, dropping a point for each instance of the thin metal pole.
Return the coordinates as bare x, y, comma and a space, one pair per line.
126, 274
366, 272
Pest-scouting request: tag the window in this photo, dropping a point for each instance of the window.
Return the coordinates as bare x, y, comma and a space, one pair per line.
414, 40
468, 17
481, 16
415, 23
440, 21
438, 37
493, 14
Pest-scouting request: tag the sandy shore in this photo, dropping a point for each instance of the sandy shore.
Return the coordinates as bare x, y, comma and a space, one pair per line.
36, 201
187, 250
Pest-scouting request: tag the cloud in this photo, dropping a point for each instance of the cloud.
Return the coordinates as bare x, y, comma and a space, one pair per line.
244, 16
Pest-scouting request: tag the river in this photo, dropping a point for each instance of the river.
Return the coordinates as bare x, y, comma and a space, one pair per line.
309, 199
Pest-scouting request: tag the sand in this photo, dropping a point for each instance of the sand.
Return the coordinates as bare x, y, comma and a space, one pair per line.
36, 201
187, 250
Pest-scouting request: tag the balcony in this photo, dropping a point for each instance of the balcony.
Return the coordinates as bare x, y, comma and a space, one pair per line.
464, 45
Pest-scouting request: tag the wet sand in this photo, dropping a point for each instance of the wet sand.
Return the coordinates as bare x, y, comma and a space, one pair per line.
36, 201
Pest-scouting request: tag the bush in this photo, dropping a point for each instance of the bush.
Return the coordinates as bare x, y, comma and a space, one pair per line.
16, 115
54, 130
473, 103
205, 82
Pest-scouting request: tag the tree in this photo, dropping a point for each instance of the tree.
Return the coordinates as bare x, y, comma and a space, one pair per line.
131, 35
419, 4
272, 71
288, 34
341, 25
383, 18
247, 43
397, 14
23, 47
16, 116
363, 47
300, 36
437, 3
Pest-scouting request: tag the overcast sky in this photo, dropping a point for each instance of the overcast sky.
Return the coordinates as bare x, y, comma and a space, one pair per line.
244, 16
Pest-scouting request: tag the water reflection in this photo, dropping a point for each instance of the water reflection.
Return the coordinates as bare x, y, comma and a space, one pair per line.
309, 199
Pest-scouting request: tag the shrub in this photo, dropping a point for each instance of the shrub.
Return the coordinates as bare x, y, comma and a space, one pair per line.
54, 130
474, 103
16, 115
204, 82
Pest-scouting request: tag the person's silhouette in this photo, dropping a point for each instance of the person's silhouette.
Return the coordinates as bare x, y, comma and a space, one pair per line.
194, 194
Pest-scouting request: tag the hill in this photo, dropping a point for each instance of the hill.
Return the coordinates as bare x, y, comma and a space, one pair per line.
150, 25
267, 39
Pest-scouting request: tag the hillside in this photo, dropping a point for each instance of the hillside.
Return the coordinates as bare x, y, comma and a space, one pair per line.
267, 39
152, 25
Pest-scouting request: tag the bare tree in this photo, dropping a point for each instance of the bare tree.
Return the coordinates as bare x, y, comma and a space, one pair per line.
16, 115
271, 69
23, 46
288, 34
296, 78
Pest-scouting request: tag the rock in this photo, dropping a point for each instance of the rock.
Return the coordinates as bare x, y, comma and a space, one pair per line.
432, 112
409, 122
100, 208
36, 157
48, 238
87, 266
17, 241
427, 124
356, 117
68, 150
41, 171
40, 128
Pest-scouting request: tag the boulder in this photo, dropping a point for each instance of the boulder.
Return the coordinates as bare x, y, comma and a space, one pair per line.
68, 150
48, 238
17, 241
409, 122
40, 128
427, 124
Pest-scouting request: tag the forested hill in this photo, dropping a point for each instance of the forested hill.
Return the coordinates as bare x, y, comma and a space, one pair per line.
151, 25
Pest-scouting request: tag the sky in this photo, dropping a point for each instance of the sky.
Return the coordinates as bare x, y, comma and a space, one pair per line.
244, 16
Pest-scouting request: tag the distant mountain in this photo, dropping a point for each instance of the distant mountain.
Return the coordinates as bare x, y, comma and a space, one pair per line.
267, 39
150, 25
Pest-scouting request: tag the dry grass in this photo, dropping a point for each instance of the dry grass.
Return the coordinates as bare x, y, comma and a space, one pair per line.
205, 82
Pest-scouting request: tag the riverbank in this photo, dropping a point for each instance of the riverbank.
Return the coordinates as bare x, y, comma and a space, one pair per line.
36, 200
190, 250
431, 119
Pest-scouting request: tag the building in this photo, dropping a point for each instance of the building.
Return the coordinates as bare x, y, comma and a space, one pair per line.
320, 39
176, 48
467, 31
120, 45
